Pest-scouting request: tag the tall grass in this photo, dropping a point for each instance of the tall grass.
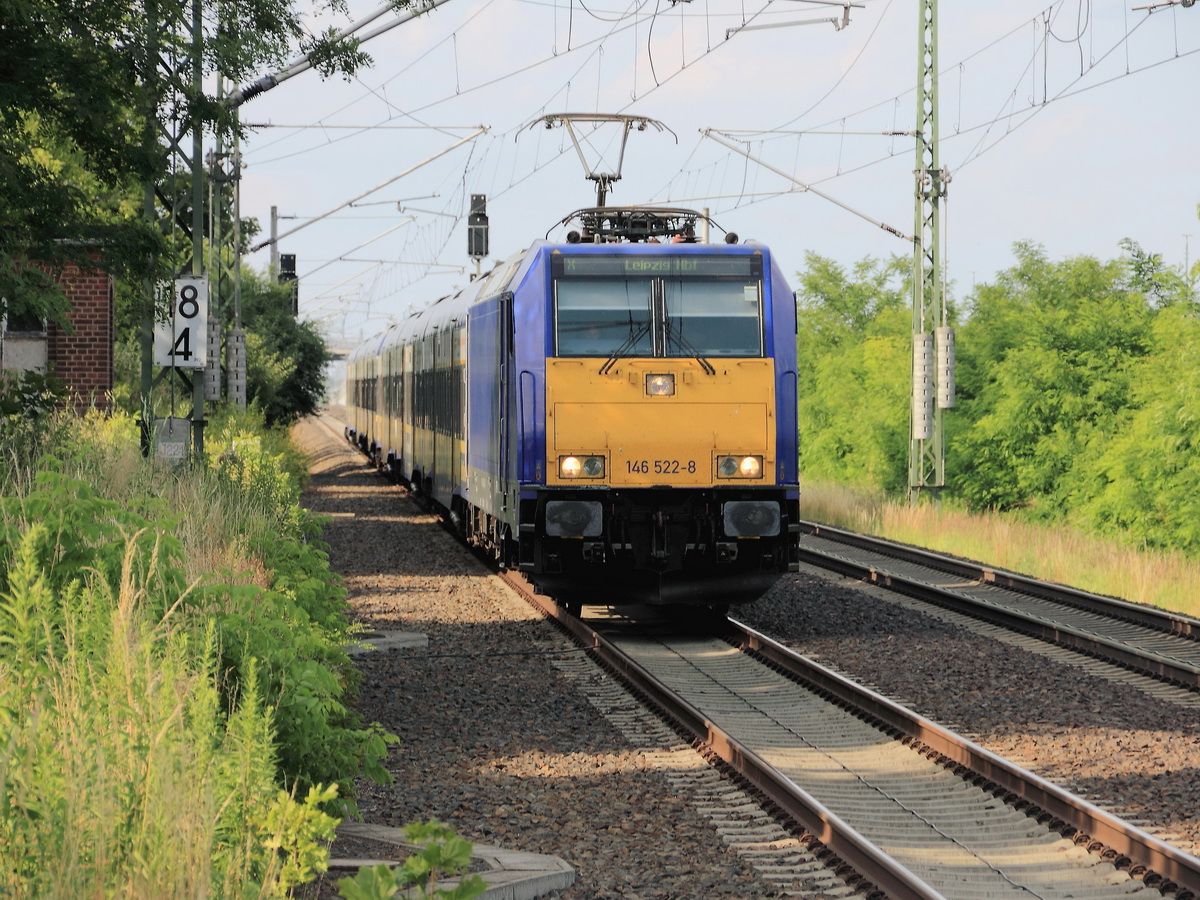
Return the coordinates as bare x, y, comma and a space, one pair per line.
153, 627
1169, 580
121, 774
219, 508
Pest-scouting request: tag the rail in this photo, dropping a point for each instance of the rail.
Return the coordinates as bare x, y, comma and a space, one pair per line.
1154, 642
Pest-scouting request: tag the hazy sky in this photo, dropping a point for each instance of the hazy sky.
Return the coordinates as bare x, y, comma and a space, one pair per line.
1073, 125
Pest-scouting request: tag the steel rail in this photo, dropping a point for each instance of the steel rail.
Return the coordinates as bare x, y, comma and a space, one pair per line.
1179, 869
1158, 863
822, 823
1111, 607
1175, 672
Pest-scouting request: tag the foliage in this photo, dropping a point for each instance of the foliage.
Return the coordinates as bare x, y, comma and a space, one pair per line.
442, 853
295, 631
164, 734
295, 837
70, 143
27, 401
118, 769
854, 339
256, 473
1046, 368
84, 537
285, 358
1145, 480
29, 394
83, 99
1075, 391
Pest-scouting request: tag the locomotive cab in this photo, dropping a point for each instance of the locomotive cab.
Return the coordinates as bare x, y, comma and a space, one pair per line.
615, 418
669, 467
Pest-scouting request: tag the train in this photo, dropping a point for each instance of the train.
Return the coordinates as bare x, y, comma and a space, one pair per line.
613, 416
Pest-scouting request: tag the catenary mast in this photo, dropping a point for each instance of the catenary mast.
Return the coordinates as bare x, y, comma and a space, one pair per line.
933, 339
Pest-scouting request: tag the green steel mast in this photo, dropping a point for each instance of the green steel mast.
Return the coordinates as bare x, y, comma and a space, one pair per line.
933, 340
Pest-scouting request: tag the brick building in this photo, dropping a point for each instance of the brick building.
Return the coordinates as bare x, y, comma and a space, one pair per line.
83, 357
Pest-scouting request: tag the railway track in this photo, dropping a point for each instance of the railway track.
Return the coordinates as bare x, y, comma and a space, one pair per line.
1159, 644
913, 809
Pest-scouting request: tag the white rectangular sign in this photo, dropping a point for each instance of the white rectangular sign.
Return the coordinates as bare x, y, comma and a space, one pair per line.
182, 340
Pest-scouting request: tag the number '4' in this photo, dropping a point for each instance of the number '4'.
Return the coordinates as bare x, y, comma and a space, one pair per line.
183, 346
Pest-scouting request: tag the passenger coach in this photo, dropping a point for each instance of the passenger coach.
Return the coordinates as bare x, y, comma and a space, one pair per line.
615, 419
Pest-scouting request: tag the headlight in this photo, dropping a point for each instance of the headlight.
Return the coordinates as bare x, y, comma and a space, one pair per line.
751, 518
581, 467
660, 385
574, 518
739, 467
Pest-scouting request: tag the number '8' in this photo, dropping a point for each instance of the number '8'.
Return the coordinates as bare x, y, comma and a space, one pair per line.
189, 306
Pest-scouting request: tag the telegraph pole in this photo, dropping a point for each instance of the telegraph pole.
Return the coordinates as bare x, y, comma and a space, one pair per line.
933, 339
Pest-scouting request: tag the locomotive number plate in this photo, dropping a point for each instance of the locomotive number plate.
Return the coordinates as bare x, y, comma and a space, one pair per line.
660, 466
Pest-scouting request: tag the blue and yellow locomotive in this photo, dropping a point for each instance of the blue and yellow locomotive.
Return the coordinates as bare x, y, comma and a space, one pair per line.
615, 417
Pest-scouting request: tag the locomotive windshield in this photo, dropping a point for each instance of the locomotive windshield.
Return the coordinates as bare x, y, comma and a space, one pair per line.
658, 305
597, 316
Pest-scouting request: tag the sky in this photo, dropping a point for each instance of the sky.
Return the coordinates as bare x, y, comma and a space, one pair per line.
1071, 125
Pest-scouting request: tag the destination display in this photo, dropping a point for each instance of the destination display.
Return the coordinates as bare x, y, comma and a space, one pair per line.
630, 266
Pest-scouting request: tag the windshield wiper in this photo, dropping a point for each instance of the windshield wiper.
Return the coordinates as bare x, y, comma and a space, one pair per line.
686, 346
623, 350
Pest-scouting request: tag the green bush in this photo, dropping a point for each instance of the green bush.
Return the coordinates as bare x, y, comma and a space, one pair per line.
27, 402
173, 685
121, 771
296, 630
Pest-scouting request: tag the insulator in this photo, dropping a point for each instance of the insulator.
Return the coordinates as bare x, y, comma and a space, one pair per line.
235, 362
212, 363
922, 387
945, 367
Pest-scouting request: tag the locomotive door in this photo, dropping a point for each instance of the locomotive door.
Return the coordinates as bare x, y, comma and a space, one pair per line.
442, 431
459, 397
406, 404
506, 456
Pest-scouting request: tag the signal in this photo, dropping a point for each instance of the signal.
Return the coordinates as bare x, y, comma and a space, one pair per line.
287, 275
477, 227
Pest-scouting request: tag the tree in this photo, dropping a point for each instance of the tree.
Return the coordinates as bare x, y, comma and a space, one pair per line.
1145, 482
1078, 395
853, 370
285, 358
70, 144
1147, 479
83, 101
1046, 365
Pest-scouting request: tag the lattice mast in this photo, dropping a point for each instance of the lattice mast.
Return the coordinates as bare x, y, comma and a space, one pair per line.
225, 321
933, 339
182, 201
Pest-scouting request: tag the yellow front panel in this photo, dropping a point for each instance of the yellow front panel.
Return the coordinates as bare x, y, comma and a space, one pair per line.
671, 440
